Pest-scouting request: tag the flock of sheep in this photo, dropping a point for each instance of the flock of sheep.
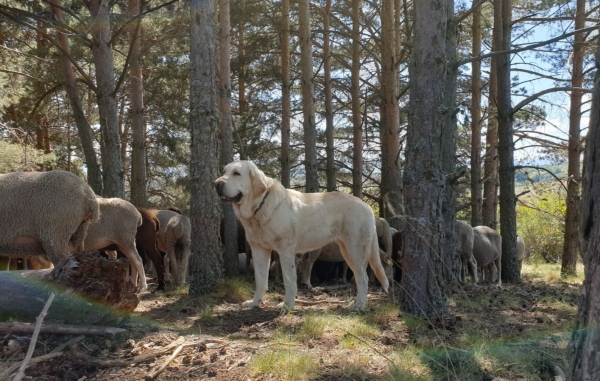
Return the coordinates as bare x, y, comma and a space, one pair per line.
56, 213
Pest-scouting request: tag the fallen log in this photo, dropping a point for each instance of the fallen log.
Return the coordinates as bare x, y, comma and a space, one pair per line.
90, 289
61, 329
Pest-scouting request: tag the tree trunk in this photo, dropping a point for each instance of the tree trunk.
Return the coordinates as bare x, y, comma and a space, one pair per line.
230, 255
242, 74
94, 176
308, 96
431, 118
84, 291
490, 163
139, 196
107, 101
476, 201
391, 181
285, 93
357, 136
206, 261
583, 348
511, 267
571, 240
331, 182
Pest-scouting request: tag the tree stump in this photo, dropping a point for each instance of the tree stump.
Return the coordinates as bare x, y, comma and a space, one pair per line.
90, 289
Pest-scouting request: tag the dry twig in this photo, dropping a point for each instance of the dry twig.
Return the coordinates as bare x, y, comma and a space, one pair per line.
64, 329
36, 332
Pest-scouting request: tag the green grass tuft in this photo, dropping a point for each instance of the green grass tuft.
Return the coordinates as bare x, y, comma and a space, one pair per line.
235, 290
284, 364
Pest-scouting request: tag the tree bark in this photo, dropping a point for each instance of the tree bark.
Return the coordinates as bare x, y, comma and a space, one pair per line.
94, 176
431, 118
391, 181
476, 198
139, 196
86, 284
331, 182
571, 238
357, 136
230, 255
308, 96
490, 163
285, 93
107, 101
206, 261
583, 348
511, 266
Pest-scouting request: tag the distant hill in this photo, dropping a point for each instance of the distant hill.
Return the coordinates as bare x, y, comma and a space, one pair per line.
532, 175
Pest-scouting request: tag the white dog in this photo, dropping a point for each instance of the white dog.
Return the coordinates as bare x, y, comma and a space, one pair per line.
291, 222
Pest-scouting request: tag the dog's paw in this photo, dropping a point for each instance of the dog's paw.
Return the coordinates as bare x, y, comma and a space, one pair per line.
284, 307
250, 304
357, 307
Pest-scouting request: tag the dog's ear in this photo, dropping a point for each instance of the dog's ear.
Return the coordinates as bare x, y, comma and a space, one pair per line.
257, 182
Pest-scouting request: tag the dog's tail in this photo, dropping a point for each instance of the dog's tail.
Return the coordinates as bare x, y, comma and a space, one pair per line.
375, 263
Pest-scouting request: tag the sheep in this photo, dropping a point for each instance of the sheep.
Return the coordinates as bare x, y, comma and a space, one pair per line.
175, 230
487, 248
45, 213
464, 235
384, 235
118, 224
520, 249
331, 253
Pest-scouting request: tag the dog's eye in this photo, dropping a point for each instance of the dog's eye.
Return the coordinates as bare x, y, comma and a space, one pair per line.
236, 173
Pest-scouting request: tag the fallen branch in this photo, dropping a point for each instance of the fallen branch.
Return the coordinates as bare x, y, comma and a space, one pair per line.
13, 368
67, 343
332, 288
152, 375
109, 363
36, 333
316, 302
65, 329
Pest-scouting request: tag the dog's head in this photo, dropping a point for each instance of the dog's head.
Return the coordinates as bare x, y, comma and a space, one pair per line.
243, 185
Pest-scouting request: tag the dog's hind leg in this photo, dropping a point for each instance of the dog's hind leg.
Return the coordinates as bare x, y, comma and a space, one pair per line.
358, 265
261, 258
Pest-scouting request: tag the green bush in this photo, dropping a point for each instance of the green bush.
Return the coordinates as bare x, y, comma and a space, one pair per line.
17, 157
541, 223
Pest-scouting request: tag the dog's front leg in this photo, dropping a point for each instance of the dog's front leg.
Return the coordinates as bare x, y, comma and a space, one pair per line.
261, 258
288, 269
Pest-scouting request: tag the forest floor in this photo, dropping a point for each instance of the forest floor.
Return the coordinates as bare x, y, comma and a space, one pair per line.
516, 332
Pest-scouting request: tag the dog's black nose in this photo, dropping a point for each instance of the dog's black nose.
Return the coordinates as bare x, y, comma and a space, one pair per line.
219, 185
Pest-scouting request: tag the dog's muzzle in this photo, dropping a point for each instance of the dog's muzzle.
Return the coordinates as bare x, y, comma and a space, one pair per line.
219, 185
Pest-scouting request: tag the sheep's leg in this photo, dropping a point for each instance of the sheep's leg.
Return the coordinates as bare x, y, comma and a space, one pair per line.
137, 267
55, 253
174, 266
185, 260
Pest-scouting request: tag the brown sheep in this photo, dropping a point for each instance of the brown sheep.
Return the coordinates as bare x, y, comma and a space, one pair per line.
45, 213
118, 224
175, 231
145, 243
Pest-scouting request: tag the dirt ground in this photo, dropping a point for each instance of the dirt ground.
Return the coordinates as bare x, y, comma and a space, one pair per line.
507, 314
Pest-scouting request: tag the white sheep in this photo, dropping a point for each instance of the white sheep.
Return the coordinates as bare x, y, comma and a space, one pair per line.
117, 226
175, 231
45, 213
464, 244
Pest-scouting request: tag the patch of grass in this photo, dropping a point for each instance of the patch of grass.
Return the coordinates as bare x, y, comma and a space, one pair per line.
284, 364
406, 365
384, 314
548, 272
453, 364
412, 322
235, 290
314, 326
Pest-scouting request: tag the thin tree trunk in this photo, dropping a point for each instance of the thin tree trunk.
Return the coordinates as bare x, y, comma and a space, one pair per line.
431, 119
94, 175
230, 255
139, 196
571, 240
308, 96
583, 348
476, 197
206, 261
511, 267
107, 102
490, 162
331, 183
285, 93
391, 181
357, 136
242, 74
